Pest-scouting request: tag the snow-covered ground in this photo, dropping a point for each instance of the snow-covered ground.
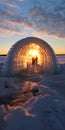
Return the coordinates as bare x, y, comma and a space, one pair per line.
46, 111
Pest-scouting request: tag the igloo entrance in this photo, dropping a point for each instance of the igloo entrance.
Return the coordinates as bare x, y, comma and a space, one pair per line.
30, 59
30, 55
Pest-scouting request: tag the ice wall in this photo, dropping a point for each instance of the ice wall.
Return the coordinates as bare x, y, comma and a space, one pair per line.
18, 60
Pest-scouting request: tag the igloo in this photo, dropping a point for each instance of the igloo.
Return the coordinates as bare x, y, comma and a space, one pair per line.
30, 55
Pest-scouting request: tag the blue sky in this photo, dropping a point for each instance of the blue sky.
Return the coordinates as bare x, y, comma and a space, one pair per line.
40, 18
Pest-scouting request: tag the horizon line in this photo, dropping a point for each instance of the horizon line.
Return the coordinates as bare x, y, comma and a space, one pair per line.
55, 53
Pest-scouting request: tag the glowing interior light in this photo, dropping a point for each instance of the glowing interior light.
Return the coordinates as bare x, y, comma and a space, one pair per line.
33, 53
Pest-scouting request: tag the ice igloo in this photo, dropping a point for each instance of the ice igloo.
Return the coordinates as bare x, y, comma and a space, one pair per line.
30, 55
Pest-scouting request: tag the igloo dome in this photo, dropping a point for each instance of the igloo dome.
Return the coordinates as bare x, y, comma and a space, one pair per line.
30, 55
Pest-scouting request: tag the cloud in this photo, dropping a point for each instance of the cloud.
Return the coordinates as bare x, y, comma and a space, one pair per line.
11, 29
9, 3
7, 13
48, 19
12, 21
37, 16
21, 0
8, 30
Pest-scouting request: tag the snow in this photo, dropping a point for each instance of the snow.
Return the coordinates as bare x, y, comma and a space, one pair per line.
45, 111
